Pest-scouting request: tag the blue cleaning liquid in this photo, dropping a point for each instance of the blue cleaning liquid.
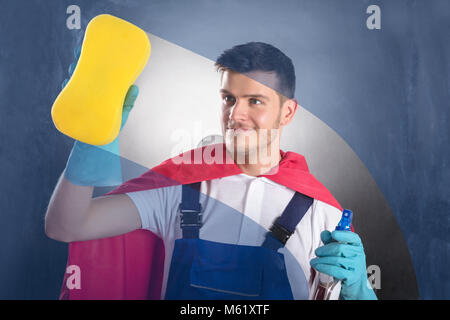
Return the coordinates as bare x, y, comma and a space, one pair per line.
327, 283
346, 221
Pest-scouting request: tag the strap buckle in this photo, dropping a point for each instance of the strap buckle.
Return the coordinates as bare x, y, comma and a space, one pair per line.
190, 217
280, 233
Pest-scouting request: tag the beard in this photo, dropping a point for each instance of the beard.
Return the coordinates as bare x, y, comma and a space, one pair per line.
253, 146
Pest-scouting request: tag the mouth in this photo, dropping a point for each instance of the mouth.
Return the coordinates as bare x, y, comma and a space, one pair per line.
237, 131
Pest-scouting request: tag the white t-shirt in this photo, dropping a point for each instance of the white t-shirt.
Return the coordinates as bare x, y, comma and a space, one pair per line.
239, 209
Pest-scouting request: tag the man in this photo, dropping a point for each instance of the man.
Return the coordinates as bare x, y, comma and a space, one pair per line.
224, 225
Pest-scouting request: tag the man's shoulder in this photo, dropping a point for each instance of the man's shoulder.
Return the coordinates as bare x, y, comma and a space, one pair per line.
164, 191
328, 214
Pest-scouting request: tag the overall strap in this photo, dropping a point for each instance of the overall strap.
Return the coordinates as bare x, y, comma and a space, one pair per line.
190, 209
285, 225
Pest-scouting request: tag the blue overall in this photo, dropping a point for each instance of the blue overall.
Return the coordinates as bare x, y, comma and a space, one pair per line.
205, 270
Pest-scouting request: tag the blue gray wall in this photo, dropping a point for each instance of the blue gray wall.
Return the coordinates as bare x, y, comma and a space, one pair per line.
385, 92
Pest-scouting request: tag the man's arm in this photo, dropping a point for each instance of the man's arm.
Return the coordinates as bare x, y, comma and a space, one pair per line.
72, 214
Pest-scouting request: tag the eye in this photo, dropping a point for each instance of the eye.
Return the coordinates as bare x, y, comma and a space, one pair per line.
229, 100
255, 101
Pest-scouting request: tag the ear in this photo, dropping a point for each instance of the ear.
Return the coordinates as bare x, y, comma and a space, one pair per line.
288, 110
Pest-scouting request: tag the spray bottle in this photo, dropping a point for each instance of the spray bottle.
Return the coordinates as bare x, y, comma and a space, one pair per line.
327, 283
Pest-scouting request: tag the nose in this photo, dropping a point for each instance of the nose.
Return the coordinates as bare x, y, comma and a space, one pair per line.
238, 112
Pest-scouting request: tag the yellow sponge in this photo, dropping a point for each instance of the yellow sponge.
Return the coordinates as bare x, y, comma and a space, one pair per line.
113, 54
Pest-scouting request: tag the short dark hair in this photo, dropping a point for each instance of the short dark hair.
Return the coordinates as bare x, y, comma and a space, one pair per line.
260, 56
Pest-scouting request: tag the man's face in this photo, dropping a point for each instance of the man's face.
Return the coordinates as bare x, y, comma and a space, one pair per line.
251, 111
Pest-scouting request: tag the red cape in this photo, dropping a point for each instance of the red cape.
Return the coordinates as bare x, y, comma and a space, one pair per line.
123, 267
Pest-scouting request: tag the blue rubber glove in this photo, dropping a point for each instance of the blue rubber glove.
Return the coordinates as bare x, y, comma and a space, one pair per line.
342, 257
90, 165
